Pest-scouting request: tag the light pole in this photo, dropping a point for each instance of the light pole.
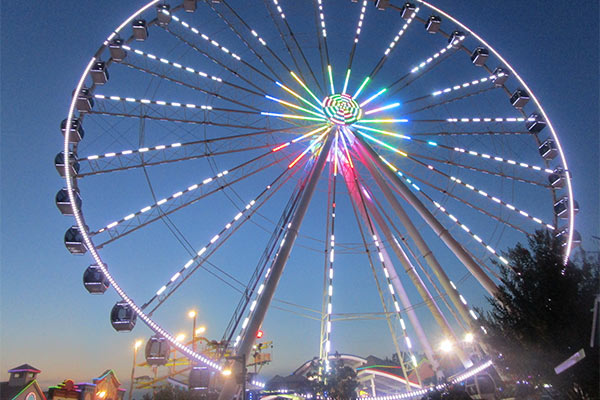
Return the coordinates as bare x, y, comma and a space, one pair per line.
136, 346
192, 314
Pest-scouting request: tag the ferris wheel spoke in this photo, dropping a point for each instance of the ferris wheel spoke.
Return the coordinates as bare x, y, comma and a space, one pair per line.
448, 162
259, 38
215, 60
471, 133
169, 119
177, 201
450, 100
294, 39
461, 200
359, 28
392, 45
322, 35
203, 255
186, 84
186, 71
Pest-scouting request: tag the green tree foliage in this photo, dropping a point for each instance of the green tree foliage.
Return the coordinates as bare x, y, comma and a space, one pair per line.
339, 383
543, 315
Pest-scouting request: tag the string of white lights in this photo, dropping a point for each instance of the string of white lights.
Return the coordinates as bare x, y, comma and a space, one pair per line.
467, 84
425, 63
400, 33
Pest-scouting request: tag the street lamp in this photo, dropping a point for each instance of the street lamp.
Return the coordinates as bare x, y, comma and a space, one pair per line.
446, 346
138, 343
192, 314
469, 337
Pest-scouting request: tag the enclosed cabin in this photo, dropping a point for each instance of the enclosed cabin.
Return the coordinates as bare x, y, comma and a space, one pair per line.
76, 132
433, 24
122, 317
548, 149
519, 99
59, 163
189, 5
94, 280
117, 52
63, 201
140, 30
535, 123
199, 378
157, 350
500, 76
163, 14
99, 73
480, 56
408, 11
481, 387
563, 235
74, 241
561, 207
382, 4
455, 38
557, 178
85, 101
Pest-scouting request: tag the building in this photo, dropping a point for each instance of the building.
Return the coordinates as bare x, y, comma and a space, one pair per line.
22, 384
105, 387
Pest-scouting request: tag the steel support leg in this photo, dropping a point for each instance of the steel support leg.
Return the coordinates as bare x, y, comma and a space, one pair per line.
256, 320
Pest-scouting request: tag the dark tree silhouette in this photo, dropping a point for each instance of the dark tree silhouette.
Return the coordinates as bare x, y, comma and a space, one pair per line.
339, 383
543, 315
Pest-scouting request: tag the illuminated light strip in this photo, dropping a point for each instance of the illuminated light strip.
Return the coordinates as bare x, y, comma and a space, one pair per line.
362, 86
295, 106
309, 148
382, 121
330, 270
299, 138
292, 116
82, 226
305, 87
290, 91
493, 198
220, 234
400, 33
375, 110
155, 102
387, 146
544, 115
489, 119
367, 101
346, 82
436, 55
281, 14
388, 133
202, 35
467, 84
330, 73
349, 159
128, 152
360, 22
322, 18
174, 64
258, 37
161, 202
258, 384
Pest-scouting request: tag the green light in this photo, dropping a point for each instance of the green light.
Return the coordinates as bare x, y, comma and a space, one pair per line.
362, 86
346, 81
330, 79
387, 146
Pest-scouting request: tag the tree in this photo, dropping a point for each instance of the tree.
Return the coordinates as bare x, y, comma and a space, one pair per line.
542, 315
338, 383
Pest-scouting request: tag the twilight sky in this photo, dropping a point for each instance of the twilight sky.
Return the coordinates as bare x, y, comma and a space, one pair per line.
48, 319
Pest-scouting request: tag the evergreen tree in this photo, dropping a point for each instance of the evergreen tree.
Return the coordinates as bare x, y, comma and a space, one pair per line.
542, 315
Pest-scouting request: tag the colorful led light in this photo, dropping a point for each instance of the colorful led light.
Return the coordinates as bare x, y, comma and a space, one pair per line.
341, 109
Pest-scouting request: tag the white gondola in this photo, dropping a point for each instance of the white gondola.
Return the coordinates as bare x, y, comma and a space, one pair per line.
433, 24
74, 241
157, 350
519, 99
189, 5
99, 73
140, 30
122, 317
76, 131
163, 14
59, 163
480, 56
117, 52
94, 280
63, 202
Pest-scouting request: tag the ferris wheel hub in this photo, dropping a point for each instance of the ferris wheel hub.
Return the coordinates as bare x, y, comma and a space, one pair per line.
341, 109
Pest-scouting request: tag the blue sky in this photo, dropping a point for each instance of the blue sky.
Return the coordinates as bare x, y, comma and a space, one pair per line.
47, 318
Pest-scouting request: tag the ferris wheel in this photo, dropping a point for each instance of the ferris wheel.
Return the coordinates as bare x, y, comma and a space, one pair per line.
211, 138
